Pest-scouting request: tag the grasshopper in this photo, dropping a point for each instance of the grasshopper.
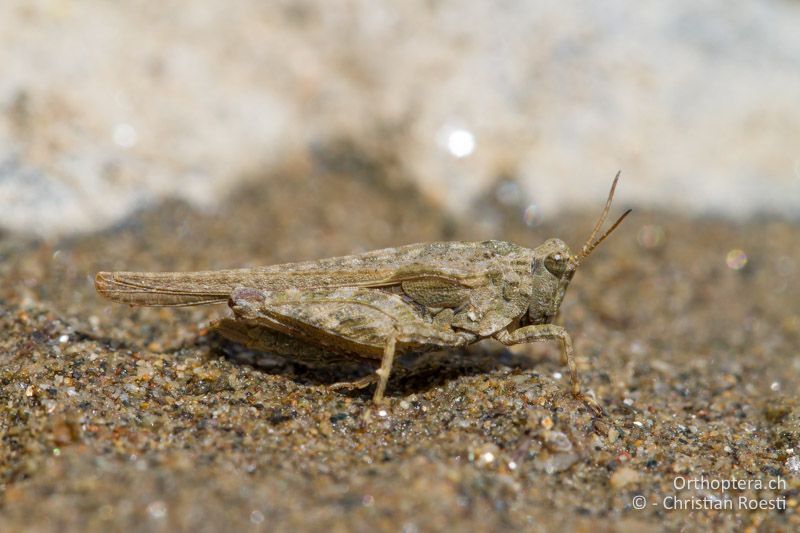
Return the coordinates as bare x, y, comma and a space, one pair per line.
375, 305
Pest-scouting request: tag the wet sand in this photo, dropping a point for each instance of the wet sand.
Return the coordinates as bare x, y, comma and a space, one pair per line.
140, 419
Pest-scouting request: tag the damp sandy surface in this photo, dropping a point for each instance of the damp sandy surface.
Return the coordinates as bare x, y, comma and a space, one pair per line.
687, 332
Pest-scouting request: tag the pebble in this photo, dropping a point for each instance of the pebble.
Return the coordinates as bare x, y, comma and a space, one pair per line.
624, 476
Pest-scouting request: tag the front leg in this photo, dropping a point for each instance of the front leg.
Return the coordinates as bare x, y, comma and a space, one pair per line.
543, 332
546, 332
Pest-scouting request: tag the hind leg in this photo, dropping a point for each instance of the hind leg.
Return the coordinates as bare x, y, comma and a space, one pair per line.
361, 323
362, 383
259, 337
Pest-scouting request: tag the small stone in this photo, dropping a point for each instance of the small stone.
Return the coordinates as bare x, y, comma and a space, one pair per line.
556, 462
157, 509
326, 428
793, 465
557, 441
256, 517
624, 476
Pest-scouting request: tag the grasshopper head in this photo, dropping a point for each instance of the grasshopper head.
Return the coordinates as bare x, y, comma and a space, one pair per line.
552, 268
554, 265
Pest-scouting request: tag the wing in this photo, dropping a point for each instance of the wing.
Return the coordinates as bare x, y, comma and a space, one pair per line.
462, 265
346, 320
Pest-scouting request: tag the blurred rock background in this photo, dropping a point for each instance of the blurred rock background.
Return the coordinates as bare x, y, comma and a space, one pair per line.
108, 107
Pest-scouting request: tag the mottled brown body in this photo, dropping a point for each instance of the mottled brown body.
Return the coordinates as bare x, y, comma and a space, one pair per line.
376, 304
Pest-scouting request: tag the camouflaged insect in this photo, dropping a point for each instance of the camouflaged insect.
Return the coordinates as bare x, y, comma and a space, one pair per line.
375, 305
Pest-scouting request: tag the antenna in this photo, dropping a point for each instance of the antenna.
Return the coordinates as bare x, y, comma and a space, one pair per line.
591, 244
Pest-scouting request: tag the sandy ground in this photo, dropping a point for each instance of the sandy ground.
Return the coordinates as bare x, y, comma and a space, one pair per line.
139, 419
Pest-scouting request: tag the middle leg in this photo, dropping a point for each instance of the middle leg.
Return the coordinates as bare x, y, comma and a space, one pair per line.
385, 369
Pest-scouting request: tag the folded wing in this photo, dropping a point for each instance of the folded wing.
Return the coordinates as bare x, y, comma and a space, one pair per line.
437, 263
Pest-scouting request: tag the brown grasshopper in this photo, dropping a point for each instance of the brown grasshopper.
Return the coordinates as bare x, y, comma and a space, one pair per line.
374, 305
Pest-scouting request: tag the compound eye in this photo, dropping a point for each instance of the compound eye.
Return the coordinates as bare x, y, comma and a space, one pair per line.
556, 263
